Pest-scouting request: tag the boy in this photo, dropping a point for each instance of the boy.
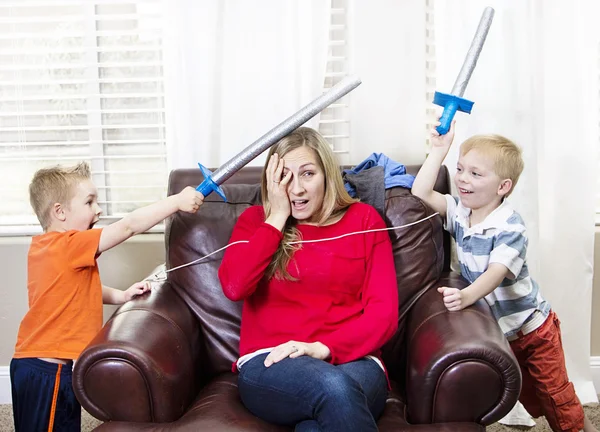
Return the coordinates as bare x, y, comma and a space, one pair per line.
65, 292
491, 248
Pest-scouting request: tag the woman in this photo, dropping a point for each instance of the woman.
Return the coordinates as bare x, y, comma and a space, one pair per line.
315, 313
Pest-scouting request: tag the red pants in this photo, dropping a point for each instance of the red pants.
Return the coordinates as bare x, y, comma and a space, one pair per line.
546, 388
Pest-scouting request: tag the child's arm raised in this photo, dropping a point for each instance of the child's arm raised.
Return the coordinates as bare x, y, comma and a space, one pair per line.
427, 175
456, 299
142, 219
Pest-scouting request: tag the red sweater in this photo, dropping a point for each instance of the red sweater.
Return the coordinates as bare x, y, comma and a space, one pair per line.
345, 297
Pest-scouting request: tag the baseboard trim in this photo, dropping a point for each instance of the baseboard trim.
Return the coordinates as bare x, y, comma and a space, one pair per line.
5, 396
595, 367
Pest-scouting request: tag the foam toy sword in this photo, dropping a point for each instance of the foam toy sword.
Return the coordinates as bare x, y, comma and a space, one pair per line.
454, 101
213, 180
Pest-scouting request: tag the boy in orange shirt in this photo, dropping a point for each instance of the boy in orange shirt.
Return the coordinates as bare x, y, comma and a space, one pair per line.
65, 292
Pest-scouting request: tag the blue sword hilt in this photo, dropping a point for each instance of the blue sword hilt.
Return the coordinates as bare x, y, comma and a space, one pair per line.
208, 185
451, 104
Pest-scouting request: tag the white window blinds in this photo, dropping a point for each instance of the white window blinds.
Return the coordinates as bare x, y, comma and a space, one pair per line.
334, 123
82, 80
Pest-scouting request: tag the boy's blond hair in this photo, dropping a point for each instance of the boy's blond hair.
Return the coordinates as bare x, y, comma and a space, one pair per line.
55, 185
506, 155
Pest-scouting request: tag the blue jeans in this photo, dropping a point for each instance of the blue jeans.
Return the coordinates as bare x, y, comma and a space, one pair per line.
314, 395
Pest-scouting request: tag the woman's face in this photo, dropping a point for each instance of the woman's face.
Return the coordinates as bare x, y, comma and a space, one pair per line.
306, 188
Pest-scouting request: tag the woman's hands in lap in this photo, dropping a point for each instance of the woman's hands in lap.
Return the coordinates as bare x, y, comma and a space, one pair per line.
293, 349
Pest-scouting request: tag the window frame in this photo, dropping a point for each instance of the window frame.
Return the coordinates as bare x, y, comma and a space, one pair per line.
91, 14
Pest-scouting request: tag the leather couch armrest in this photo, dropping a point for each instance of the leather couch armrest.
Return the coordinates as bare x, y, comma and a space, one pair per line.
459, 364
143, 364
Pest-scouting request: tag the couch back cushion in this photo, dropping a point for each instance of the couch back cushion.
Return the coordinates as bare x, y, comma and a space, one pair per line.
418, 254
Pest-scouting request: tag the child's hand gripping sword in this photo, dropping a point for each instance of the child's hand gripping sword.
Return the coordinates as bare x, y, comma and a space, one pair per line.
212, 181
454, 101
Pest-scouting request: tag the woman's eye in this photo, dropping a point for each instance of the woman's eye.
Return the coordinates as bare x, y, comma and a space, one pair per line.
309, 173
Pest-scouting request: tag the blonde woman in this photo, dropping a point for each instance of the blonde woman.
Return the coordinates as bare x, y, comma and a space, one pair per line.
315, 314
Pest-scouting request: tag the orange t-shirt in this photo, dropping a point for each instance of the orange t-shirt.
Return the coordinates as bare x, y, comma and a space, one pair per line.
65, 295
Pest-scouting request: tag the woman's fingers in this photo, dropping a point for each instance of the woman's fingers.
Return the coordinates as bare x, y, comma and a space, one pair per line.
271, 168
278, 170
289, 349
297, 351
274, 356
286, 179
269, 359
275, 171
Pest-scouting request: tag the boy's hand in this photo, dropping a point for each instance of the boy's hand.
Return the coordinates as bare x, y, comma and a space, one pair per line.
189, 200
454, 299
136, 289
442, 142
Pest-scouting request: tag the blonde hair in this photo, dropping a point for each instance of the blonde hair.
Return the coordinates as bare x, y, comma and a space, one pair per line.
55, 185
506, 155
335, 200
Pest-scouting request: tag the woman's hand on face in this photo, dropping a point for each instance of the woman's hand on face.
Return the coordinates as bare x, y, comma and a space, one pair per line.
277, 185
293, 349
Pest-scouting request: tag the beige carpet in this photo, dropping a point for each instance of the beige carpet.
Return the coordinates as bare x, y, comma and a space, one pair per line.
88, 423
592, 411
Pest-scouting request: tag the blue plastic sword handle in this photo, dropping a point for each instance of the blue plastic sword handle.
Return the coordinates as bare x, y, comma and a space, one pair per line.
208, 185
451, 104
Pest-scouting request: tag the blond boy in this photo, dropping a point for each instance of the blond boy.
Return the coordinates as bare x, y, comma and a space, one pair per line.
491, 247
65, 292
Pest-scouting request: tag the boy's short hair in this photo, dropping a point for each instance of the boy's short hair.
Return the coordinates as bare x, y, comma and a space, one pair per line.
507, 156
55, 185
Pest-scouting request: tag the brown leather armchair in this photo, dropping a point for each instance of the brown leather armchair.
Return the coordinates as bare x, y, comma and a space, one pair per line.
163, 362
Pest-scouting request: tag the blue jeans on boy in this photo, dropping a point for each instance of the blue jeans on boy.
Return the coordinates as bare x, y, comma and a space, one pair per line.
315, 395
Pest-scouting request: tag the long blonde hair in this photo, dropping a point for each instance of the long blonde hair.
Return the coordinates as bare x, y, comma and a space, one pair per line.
335, 201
